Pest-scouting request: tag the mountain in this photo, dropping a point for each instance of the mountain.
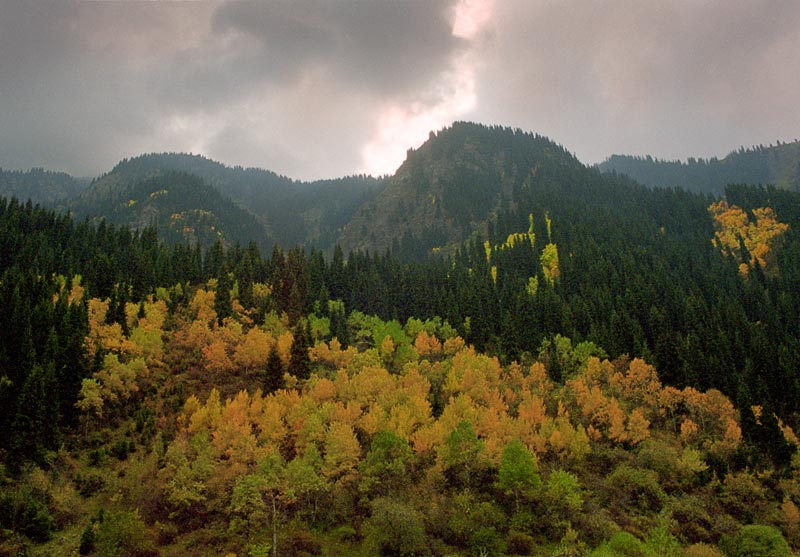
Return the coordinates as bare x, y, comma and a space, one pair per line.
183, 208
293, 212
777, 165
40, 186
452, 186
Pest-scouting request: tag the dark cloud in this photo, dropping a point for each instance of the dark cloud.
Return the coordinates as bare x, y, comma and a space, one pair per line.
86, 83
73, 92
673, 79
387, 47
315, 88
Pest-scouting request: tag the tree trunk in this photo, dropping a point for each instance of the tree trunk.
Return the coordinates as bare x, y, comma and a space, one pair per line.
274, 529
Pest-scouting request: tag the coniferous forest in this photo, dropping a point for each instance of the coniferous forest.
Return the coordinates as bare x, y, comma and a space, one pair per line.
497, 351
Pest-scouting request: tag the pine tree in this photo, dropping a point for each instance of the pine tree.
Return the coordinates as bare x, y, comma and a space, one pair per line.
35, 426
222, 298
299, 362
273, 374
116, 309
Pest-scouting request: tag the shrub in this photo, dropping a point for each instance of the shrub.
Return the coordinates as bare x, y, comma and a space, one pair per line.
121, 534
301, 542
88, 484
756, 540
636, 490
345, 533
701, 550
394, 528
695, 521
21, 512
88, 540
519, 543
622, 544
744, 497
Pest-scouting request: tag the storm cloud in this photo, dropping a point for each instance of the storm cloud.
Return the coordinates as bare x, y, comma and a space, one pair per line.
320, 89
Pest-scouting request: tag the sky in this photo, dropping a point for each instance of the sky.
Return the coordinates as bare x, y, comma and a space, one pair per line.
325, 88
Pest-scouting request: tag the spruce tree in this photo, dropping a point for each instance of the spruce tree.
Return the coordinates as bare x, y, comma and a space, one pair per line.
273, 374
299, 362
222, 297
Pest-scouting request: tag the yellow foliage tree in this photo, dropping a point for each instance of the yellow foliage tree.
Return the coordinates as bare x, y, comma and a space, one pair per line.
253, 349
734, 228
342, 453
549, 261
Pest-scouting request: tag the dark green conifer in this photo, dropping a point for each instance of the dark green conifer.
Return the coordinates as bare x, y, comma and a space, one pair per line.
299, 362
273, 374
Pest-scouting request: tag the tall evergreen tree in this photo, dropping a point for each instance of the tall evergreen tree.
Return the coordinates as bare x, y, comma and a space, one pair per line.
222, 298
273, 374
299, 362
35, 427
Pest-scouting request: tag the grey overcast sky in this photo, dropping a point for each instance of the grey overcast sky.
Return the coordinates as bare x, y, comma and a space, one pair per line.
325, 88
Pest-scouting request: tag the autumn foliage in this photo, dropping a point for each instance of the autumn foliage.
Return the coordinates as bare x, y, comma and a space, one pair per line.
752, 241
447, 419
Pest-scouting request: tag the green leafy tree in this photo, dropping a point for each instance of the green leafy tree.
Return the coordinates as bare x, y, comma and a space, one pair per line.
386, 466
518, 474
461, 455
563, 499
188, 465
248, 508
305, 481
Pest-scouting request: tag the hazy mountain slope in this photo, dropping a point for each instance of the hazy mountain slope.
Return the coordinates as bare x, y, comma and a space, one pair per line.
40, 186
293, 212
181, 206
778, 165
452, 185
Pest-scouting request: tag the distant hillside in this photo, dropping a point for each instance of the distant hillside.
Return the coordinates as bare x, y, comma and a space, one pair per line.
40, 186
452, 186
778, 165
293, 212
181, 206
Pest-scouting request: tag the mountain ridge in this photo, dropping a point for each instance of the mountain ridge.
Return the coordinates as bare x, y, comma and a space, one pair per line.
451, 186
181, 206
293, 212
450, 189
777, 165
45, 187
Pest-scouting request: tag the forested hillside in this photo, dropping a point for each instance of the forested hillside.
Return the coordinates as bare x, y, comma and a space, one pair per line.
601, 374
180, 206
292, 212
40, 186
778, 165
449, 189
